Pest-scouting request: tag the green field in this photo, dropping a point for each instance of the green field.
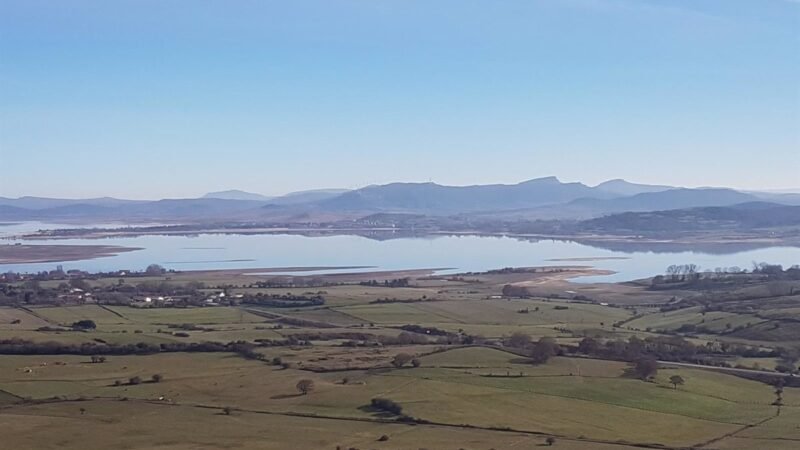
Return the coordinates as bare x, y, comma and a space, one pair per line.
566, 397
476, 396
714, 320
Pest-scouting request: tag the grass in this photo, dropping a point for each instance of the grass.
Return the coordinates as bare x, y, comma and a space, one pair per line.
453, 402
717, 321
66, 315
198, 316
506, 312
390, 313
598, 404
503, 315
469, 357
114, 424
705, 400
573, 398
326, 315
26, 319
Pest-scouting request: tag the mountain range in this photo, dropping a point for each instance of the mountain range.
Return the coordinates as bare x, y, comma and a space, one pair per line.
541, 198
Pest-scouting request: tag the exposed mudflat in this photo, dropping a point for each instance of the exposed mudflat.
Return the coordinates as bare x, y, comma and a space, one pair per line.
23, 254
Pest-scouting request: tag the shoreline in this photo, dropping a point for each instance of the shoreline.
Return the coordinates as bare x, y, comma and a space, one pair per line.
52, 253
588, 239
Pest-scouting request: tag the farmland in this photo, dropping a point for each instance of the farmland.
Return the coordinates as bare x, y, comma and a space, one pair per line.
467, 381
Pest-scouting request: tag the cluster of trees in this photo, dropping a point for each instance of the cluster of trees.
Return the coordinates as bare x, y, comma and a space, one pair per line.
675, 348
401, 359
395, 283
26, 347
540, 351
508, 270
359, 339
120, 293
386, 405
432, 331
404, 338
511, 290
85, 324
691, 273
646, 368
776, 271
683, 272
133, 381
283, 301
380, 301
292, 282
60, 274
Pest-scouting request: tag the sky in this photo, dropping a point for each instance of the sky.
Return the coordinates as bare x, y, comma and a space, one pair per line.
154, 99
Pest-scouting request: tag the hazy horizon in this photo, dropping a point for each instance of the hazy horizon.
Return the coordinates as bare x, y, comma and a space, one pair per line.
145, 100
322, 188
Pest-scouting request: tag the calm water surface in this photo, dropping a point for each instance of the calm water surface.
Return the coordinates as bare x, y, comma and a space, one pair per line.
463, 253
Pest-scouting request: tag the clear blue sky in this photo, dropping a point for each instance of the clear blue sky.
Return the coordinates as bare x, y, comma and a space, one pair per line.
150, 99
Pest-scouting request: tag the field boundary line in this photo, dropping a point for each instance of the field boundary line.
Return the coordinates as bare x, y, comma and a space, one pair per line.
113, 312
735, 432
337, 311
637, 408
37, 315
421, 423
412, 424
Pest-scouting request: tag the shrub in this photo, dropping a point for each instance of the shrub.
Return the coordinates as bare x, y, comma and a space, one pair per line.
305, 386
401, 359
384, 404
84, 324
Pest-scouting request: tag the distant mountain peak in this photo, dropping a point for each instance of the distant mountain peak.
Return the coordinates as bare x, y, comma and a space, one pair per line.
623, 187
236, 194
543, 180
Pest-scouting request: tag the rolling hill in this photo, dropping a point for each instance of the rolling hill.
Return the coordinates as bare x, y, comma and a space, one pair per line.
538, 199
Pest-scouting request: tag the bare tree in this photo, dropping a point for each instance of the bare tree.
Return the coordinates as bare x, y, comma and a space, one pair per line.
305, 386
519, 340
401, 359
645, 368
676, 380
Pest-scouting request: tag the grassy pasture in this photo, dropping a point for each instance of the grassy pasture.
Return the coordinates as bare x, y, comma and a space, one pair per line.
778, 433
392, 314
713, 320
598, 404
78, 337
326, 315
505, 312
66, 315
574, 398
198, 316
705, 400
469, 357
137, 425
498, 331
450, 400
348, 295
26, 320
772, 331
342, 358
